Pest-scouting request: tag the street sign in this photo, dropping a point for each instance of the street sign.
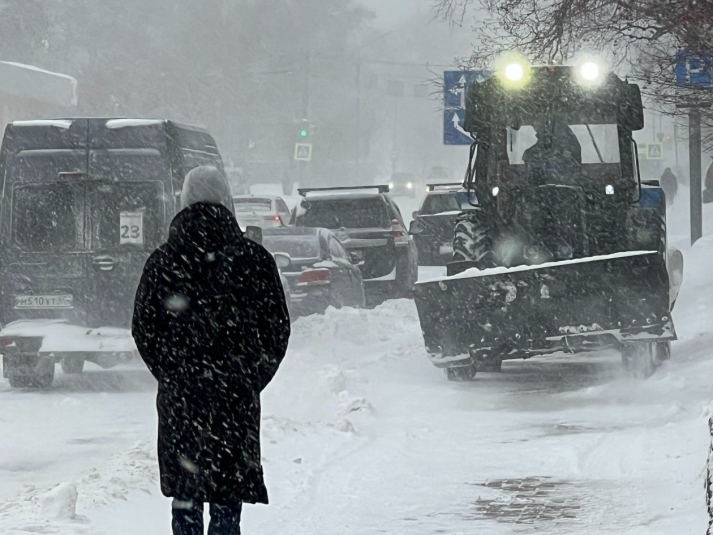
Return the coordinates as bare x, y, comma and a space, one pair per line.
303, 152
455, 92
643, 154
694, 70
654, 151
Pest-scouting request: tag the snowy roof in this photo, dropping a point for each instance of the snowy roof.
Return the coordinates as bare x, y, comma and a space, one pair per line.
38, 84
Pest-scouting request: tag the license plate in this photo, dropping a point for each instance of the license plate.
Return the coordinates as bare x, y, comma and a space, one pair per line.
38, 302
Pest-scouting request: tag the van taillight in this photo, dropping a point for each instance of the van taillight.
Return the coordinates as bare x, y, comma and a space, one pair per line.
397, 231
6, 341
314, 277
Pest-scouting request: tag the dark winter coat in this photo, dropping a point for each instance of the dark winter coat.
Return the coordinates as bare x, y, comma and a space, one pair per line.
211, 323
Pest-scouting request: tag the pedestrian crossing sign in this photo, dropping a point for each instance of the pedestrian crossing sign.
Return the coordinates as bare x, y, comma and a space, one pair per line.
654, 151
303, 152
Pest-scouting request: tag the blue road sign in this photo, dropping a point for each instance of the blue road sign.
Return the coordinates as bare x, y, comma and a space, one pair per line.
694, 70
455, 92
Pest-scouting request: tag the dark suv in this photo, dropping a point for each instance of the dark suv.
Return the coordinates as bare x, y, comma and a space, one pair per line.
370, 225
433, 224
84, 202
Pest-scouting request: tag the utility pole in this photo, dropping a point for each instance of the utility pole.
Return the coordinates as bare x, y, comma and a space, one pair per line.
694, 166
306, 90
694, 148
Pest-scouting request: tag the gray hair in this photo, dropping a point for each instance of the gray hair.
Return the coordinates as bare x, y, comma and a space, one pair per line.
206, 184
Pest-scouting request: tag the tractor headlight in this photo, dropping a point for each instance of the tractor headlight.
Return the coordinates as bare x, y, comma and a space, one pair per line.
513, 71
589, 71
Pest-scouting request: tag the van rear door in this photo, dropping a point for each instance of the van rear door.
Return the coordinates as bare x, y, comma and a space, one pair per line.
125, 223
45, 261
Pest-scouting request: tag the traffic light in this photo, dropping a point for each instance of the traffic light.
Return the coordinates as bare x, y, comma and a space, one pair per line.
303, 132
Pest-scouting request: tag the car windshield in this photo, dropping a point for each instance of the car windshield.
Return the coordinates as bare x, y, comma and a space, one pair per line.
252, 205
368, 212
48, 217
295, 246
439, 203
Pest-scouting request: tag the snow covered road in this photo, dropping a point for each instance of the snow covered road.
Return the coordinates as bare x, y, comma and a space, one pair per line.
361, 435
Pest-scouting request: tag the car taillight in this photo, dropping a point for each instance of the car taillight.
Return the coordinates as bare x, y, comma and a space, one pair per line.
276, 218
314, 277
397, 231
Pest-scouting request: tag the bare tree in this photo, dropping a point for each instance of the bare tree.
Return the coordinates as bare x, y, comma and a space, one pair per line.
640, 38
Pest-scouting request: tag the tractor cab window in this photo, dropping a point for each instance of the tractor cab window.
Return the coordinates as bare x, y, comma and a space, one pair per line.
587, 144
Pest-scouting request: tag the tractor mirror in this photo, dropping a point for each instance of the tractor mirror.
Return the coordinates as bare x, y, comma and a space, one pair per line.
635, 108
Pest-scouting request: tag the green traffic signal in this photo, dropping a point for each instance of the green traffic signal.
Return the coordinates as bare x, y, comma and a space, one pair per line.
303, 133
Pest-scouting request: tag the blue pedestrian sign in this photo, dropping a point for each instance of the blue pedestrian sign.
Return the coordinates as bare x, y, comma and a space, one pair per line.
694, 70
455, 93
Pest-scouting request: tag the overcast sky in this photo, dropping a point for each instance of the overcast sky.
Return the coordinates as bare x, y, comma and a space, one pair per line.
391, 12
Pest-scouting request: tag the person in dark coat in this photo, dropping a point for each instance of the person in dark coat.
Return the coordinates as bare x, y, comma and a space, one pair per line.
211, 323
669, 184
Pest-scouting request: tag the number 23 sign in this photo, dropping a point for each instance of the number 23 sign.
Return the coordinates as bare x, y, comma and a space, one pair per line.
131, 228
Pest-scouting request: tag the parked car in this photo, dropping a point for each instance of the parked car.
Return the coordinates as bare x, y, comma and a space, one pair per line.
262, 211
434, 223
282, 261
370, 226
403, 184
84, 202
319, 272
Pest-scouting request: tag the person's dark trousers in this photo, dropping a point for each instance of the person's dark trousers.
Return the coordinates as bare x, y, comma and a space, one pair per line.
188, 518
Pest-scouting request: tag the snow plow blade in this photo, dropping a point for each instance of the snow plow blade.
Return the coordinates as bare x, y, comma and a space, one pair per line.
528, 309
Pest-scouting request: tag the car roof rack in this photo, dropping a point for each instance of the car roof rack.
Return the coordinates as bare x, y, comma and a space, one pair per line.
432, 187
384, 188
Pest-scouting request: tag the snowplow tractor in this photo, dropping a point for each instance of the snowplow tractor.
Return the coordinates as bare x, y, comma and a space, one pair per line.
565, 248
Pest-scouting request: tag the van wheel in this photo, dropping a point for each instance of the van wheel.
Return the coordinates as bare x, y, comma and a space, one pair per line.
72, 365
29, 371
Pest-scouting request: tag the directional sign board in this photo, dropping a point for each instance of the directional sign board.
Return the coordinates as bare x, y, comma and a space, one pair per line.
303, 152
654, 151
455, 91
694, 70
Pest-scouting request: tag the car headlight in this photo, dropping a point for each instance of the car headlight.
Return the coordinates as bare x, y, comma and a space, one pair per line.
391, 185
409, 185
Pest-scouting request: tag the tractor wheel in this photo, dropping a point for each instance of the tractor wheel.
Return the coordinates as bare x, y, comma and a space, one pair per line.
641, 359
473, 240
461, 374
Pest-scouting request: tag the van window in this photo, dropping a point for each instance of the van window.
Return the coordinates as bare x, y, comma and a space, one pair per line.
48, 217
125, 215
